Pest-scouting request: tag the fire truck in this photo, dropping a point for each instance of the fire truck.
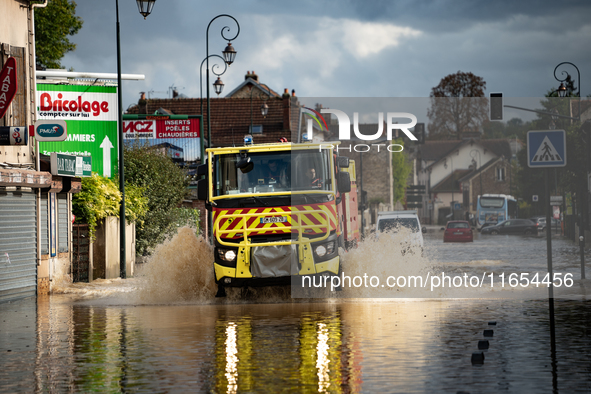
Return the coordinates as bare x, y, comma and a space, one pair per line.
278, 211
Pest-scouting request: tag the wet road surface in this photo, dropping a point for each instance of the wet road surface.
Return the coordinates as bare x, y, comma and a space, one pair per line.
103, 338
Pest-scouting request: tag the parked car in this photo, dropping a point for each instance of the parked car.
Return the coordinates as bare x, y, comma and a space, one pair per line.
487, 224
541, 221
513, 226
458, 231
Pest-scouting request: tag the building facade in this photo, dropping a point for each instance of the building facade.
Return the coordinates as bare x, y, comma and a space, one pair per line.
35, 207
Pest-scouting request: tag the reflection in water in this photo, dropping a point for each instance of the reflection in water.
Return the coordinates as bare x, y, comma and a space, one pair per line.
401, 346
322, 360
231, 358
254, 352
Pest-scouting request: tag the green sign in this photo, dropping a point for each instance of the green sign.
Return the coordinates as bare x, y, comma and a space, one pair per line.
90, 113
67, 165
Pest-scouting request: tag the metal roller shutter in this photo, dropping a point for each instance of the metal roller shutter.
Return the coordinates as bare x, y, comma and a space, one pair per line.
44, 224
62, 223
18, 245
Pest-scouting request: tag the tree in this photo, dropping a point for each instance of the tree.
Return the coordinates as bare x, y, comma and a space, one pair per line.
457, 105
53, 25
165, 185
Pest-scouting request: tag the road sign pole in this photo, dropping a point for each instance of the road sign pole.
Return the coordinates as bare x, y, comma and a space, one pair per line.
582, 245
549, 236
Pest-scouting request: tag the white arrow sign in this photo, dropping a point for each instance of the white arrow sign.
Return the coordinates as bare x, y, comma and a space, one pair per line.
106, 146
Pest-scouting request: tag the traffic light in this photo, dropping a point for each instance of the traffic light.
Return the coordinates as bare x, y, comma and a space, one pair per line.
496, 106
420, 133
363, 201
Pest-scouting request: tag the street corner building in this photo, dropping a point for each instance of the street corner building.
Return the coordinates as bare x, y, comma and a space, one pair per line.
35, 206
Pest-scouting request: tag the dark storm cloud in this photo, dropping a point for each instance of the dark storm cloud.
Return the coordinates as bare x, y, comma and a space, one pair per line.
341, 48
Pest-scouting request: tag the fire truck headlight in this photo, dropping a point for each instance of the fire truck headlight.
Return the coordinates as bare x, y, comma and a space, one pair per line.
324, 249
330, 247
320, 250
227, 255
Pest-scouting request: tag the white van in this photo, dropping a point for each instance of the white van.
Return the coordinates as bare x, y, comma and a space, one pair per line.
394, 220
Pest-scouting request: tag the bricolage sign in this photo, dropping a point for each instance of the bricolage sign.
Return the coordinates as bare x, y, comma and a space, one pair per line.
90, 114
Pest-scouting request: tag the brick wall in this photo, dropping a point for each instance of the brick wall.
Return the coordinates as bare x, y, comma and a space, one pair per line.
377, 176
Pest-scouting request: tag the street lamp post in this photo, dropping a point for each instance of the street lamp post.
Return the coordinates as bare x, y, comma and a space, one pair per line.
452, 186
562, 92
229, 56
473, 152
145, 8
218, 85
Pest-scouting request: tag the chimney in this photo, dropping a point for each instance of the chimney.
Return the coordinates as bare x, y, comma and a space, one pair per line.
293, 93
247, 75
286, 111
175, 93
254, 76
142, 104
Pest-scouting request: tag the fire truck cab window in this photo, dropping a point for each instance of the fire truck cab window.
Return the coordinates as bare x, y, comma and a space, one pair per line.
273, 172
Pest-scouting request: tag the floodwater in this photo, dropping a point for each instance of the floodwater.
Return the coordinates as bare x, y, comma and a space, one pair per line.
164, 331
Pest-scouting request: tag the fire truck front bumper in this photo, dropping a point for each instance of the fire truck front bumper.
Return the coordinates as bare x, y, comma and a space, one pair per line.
230, 277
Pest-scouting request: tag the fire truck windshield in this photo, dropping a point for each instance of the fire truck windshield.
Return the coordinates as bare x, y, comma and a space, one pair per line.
270, 172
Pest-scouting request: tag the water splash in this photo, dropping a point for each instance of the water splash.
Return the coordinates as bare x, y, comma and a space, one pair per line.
179, 270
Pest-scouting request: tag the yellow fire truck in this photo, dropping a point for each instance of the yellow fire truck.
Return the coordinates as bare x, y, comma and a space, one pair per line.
278, 211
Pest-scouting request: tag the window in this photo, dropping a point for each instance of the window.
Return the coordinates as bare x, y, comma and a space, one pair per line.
256, 129
500, 173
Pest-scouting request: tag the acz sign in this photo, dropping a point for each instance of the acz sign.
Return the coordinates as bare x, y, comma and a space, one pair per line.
8, 85
161, 128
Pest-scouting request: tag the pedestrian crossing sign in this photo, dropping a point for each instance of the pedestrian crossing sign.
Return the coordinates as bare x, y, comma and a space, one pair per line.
546, 148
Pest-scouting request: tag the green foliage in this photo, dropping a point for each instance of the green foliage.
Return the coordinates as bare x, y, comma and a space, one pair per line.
164, 184
402, 168
53, 25
184, 216
98, 199
136, 204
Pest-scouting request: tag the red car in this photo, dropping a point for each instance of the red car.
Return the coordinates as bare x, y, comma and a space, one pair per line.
458, 231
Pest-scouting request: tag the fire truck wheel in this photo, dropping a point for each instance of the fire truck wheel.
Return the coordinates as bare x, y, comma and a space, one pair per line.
221, 292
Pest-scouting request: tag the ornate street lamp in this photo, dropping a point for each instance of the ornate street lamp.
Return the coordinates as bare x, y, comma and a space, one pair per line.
145, 8
264, 106
229, 53
218, 85
562, 90
229, 56
264, 110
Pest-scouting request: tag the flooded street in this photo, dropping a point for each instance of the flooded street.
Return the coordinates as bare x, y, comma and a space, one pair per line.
118, 336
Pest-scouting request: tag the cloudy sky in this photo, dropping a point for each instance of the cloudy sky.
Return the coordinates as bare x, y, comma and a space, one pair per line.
341, 48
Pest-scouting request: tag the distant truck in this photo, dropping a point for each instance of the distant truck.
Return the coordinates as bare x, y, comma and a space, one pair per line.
278, 211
